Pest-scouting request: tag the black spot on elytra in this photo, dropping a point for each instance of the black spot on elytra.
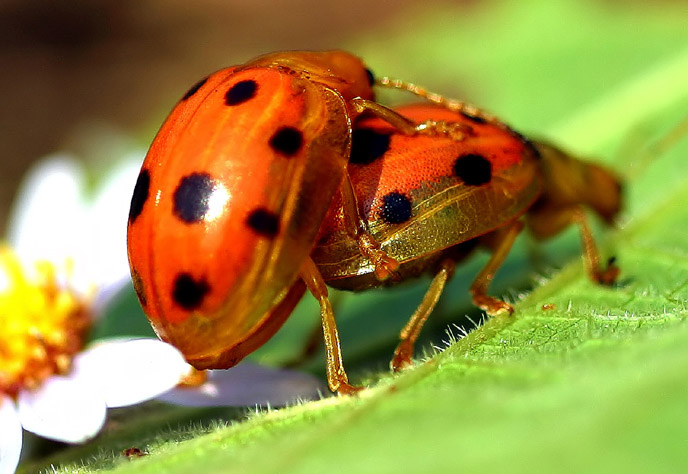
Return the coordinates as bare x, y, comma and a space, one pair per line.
138, 287
194, 88
367, 146
287, 141
473, 169
473, 118
191, 197
263, 222
396, 208
370, 76
241, 92
189, 292
140, 196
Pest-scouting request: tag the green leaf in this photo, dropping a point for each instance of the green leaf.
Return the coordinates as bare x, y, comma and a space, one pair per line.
599, 383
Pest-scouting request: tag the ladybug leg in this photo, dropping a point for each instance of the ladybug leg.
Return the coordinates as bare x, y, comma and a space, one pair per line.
500, 242
591, 256
337, 379
195, 378
456, 131
404, 351
548, 221
357, 227
313, 342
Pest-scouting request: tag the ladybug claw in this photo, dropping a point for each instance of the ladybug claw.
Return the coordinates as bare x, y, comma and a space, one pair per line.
400, 363
492, 306
609, 275
348, 389
402, 356
501, 308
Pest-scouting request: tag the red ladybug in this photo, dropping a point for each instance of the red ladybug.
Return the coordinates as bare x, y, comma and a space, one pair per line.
428, 202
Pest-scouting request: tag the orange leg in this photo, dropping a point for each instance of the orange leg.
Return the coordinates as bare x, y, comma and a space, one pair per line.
500, 241
404, 351
591, 256
195, 378
357, 227
455, 131
550, 220
337, 379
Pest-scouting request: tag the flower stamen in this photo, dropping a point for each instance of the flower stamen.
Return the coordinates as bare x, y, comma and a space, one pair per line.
42, 323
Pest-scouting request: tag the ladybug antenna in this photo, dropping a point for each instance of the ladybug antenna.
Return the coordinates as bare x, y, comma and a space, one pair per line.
451, 104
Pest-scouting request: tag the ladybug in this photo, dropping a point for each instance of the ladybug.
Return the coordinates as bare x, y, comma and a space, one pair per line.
429, 202
230, 199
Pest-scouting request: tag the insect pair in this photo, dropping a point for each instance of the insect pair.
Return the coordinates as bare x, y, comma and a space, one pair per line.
284, 175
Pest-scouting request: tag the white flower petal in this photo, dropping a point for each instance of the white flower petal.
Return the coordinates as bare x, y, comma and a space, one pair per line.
49, 211
10, 436
127, 372
108, 217
248, 384
62, 409
91, 232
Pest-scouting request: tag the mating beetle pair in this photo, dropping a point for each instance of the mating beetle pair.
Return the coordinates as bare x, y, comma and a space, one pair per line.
284, 175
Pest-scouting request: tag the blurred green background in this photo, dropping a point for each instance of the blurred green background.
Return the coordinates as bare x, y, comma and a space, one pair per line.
69, 66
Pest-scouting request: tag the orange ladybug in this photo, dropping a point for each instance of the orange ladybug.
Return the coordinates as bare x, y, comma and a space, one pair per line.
232, 193
429, 202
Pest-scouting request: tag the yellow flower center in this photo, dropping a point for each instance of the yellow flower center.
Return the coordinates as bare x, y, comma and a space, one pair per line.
42, 324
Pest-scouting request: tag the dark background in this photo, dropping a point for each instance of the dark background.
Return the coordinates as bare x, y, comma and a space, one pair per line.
69, 63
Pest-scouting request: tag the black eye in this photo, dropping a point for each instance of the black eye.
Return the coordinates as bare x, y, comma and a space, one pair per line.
371, 77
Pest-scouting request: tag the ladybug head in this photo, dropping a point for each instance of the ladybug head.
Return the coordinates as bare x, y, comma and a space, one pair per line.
605, 192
